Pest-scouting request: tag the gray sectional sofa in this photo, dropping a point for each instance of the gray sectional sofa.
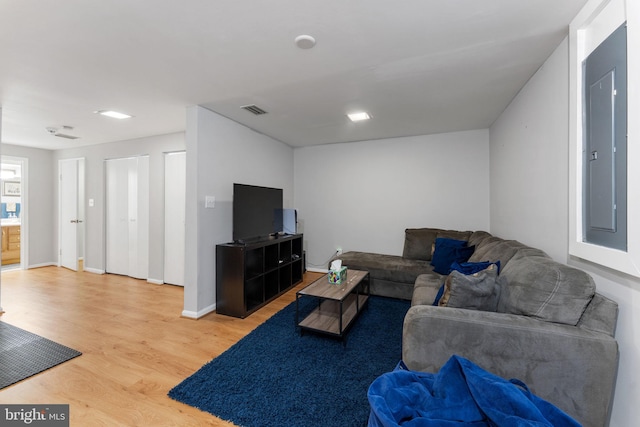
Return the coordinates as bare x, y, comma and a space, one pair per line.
550, 328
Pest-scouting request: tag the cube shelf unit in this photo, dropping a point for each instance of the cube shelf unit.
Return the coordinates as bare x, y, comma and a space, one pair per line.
250, 275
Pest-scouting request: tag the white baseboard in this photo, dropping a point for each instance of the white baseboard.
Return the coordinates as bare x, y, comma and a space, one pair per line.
196, 315
318, 270
94, 270
44, 264
155, 281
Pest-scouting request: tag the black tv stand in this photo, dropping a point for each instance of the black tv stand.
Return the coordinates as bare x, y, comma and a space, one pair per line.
258, 239
249, 274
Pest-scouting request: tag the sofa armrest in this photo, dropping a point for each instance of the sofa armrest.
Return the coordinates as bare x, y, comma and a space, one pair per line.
601, 315
571, 367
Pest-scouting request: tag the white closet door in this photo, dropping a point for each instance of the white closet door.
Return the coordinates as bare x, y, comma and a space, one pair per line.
175, 171
139, 217
127, 211
117, 216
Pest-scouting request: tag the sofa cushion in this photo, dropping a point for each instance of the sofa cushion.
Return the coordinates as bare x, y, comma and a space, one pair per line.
391, 268
527, 252
447, 251
454, 234
451, 234
478, 291
495, 249
476, 238
542, 288
418, 243
426, 288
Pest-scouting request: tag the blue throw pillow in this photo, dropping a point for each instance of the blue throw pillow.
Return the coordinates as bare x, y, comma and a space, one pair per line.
473, 267
443, 249
448, 251
439, 295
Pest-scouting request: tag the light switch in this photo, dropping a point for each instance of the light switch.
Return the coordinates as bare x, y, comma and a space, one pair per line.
91, 203
209, 202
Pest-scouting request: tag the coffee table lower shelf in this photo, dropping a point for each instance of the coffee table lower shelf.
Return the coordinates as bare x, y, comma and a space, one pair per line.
326, 317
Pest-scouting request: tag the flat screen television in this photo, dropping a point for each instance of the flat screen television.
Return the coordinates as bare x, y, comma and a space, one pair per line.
257, 212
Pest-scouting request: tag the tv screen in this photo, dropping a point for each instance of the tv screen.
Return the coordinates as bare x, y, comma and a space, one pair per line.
257, 212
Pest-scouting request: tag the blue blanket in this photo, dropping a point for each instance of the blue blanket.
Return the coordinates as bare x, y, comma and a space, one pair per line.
462, 393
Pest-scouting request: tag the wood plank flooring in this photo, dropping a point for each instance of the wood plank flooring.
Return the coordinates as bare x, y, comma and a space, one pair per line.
135, 345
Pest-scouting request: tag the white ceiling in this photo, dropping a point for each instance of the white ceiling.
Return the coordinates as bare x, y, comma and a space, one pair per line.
417, 66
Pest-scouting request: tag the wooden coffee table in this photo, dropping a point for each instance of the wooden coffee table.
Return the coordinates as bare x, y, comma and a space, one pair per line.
338, 305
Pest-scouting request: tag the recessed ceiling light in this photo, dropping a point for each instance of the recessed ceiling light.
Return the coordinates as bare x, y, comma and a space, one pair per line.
357, 117
305, 41
113, 114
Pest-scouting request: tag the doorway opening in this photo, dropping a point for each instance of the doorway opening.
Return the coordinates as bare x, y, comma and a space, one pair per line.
13, 216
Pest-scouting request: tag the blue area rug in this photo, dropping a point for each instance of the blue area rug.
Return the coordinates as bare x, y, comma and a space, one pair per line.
275, 377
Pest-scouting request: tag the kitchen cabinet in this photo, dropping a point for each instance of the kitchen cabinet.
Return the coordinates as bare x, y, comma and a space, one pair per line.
10, 244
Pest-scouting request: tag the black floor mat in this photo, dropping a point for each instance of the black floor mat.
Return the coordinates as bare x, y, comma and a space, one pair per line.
23, 354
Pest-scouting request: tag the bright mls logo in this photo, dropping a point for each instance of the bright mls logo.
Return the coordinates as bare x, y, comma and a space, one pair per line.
34, 415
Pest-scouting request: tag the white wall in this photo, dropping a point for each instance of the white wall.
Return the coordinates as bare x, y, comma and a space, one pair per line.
529, 202
529, 161
95, 155
219, 153
362, 195
41, 197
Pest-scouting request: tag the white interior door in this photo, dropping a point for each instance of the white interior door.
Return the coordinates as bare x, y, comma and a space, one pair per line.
70, 215
175, 171
139, 217
127, 216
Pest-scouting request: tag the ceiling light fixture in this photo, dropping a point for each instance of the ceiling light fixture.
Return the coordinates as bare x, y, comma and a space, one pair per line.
359, 116
64, 135
113, 114
305, 41
55, 132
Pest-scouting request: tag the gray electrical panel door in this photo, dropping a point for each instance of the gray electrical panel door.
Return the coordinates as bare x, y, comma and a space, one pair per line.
605, 143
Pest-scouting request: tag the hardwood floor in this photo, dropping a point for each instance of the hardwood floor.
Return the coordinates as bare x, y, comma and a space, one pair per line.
135, 345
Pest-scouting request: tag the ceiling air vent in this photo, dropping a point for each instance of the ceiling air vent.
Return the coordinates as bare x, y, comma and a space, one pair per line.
254, 109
